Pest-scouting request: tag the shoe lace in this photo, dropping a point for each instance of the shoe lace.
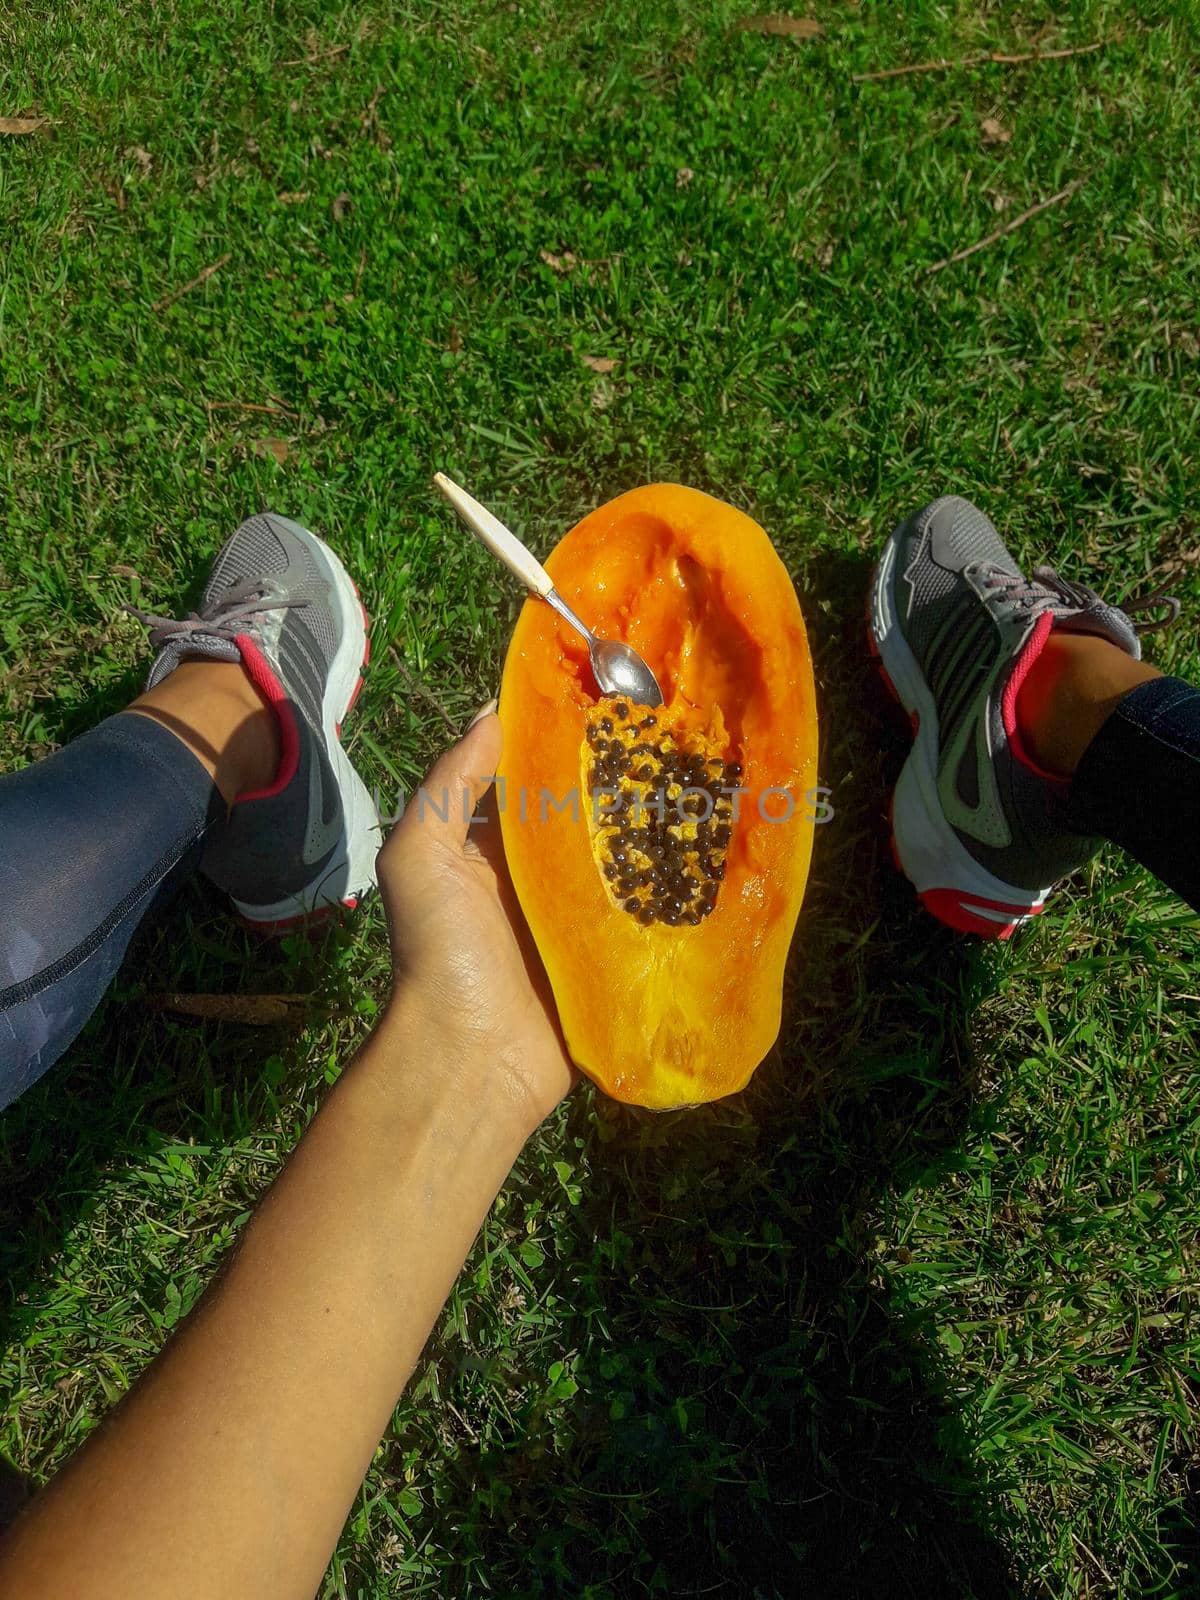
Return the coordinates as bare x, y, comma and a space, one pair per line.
222, 621
1028, 593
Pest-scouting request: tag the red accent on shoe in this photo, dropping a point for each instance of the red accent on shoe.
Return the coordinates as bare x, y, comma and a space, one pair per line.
914, 717
259, 672
968, 913
893, 848
873, 652
367, 626
1033, 648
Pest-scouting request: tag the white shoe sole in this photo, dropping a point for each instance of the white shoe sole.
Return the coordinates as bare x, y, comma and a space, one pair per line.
351, 873
950, 882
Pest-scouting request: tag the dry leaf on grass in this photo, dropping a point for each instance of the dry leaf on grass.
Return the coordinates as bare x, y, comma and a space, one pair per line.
683, 177
601, 364
18, 125
562, 263
454, 342
277, 448
292, 197
260, 1010
342, 204
994, 131
788, 27
141, 155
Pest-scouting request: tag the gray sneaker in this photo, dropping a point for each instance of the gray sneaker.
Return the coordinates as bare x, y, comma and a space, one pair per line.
977, 827
280, 602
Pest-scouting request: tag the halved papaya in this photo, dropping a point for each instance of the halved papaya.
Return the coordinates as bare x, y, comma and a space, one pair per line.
660, 856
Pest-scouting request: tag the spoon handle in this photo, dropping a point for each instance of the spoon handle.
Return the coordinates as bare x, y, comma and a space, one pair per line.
503, 544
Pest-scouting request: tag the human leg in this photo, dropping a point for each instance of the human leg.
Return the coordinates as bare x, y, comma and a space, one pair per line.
231, 761
87, 838
1009, 683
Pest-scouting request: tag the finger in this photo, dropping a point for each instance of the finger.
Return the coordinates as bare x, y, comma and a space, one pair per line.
442, 807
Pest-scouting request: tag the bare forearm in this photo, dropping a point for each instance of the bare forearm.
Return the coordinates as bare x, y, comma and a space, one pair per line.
230, 1469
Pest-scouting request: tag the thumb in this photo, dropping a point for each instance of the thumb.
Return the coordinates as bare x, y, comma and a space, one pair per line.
442, 807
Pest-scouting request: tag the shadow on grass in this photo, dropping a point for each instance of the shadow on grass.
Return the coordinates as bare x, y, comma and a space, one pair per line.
750, 1419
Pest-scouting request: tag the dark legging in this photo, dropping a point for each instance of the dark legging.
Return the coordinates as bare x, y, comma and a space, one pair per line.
1138, 783
88, 838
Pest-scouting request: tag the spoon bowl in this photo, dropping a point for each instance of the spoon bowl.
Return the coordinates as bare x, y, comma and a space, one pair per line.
618, 669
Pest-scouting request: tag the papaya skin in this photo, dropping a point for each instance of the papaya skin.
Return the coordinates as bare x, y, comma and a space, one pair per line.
664, 1016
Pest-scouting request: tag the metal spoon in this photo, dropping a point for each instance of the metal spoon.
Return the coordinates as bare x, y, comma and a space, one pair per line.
617, 668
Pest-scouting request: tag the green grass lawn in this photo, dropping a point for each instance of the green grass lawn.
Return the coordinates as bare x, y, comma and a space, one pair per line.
917, 1313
